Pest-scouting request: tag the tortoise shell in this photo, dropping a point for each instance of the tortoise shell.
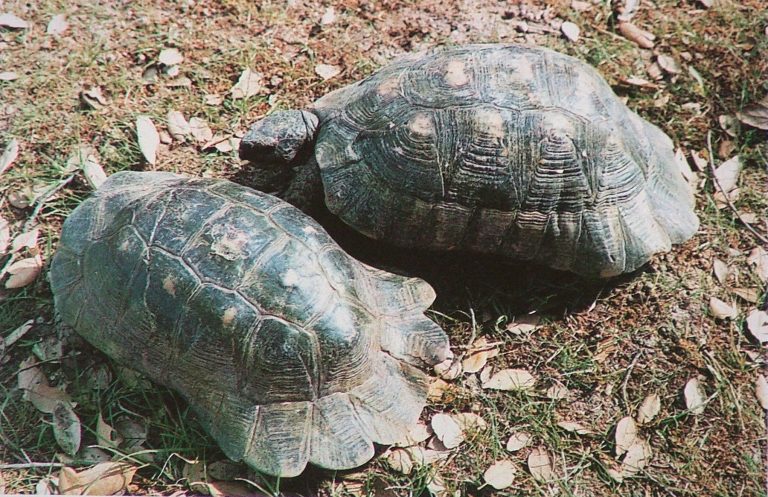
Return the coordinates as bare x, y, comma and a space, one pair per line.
288, 349
502, 149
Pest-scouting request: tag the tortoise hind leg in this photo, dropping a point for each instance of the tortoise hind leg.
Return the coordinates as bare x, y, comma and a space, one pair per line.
279, 442
407, 334
389, 402
338, 440
416, 340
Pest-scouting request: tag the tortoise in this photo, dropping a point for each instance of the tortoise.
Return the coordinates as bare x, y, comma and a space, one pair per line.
497, 149
289, 350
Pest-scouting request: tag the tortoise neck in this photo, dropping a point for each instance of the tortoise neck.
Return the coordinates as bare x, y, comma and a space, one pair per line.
305, 189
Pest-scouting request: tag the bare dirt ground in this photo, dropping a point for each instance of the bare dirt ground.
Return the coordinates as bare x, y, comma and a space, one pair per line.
643, 385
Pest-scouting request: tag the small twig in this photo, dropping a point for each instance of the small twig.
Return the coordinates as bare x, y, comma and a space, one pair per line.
18, 333
725, 194
29, 465
626, 379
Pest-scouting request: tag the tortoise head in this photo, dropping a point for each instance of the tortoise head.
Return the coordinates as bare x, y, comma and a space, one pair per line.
279, 148
282, 138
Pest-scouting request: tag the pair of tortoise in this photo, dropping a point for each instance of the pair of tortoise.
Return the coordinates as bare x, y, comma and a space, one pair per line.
290, 350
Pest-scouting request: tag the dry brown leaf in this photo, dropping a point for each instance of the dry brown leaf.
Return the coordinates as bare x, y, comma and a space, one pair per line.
685, 168
721, 309
194, 473
424, 457
248, 85
478, 356
84, 158
435, 485
517, 441
485, 374
93, 98
698, 161
416, 434
500, 474
636, 81
200, 130
23, 272
106, 435
149, 139
524, 324
668, 64
57, 25
29, 375
761, 391
655, 72
43, 487
757, 324
470, 422
327, 71
636, 459
570, 30
66, 428
727, 174
450, 369
636, 35
557, 392
648, 409
758, 257
399, 460
107, 478
540, 465
27, 239
9, 20
9, 155
436, 389
626, 434
574, 427
511, 379
170, 57
756, 114
695, 400
721, 270
447, 430
725, 149
751, 295
45, 398
178, 126
729, 124
134, 433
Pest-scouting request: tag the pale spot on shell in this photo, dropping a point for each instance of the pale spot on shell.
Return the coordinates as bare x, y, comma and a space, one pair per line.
169, 285
491, 121
389, 88
229, 316
421, 124
309, 230
559, 125
455, 73
229, 242
523, 69
290, 278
